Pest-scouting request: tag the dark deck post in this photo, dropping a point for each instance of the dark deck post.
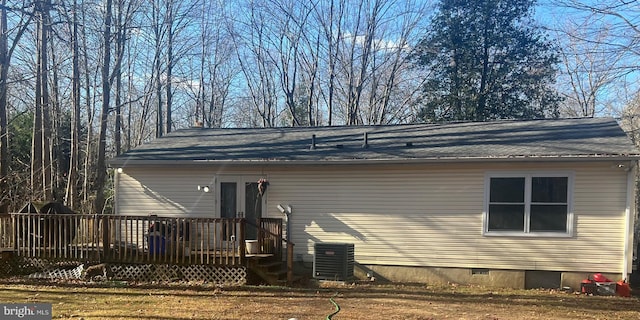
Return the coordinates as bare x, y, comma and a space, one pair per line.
106, 244
259, 235
14, 228
241, 241
290, 263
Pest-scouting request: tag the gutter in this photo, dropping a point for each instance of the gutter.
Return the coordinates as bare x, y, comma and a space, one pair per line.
278, 162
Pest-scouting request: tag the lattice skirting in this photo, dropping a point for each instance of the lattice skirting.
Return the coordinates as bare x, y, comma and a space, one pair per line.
172, 273
52, 269
20, 266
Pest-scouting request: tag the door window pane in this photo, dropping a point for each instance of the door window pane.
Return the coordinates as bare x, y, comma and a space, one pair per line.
228, 196
228, 208
253, 208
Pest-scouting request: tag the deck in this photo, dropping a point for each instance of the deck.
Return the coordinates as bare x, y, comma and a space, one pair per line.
143, 240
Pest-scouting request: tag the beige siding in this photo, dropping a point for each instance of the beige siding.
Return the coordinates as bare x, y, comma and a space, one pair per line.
164, 191
411, 215
432, 216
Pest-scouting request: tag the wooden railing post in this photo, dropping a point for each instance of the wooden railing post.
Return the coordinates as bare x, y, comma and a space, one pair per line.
290, 263
241, 242
14, 228
259, 235
106, 243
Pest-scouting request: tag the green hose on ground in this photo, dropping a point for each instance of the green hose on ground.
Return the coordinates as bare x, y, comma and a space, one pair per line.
335, 305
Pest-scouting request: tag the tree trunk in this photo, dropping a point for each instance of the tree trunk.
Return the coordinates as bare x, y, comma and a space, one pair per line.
4, 131
41, 157
90, 150
157, 70
169, 64
56, 154
74, 158
120, 43
101, 168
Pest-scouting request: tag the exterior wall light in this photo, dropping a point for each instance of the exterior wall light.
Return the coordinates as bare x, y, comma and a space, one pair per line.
204, 189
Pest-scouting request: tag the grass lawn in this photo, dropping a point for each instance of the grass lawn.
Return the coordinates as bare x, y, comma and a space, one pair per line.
119, 300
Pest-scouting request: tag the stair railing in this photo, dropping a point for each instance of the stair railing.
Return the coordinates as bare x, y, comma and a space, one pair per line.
271, 229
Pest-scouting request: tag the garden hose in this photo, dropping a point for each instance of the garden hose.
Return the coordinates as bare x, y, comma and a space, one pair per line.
335, 305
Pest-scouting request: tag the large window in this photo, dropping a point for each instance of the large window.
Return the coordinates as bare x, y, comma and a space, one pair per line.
534, 204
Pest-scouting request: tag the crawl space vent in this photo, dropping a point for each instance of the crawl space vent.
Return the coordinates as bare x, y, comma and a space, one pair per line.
333, 261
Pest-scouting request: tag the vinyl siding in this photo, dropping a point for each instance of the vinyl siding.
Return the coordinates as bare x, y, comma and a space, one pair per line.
168, 192
432, 216
411, 215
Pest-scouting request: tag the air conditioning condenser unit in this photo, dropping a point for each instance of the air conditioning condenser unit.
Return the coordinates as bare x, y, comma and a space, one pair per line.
333, 261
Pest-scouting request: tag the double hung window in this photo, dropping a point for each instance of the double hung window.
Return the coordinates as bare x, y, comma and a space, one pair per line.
528, 204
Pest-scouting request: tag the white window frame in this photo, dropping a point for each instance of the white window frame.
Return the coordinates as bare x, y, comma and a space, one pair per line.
528, 175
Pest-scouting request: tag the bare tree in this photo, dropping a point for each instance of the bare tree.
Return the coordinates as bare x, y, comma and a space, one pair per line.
388, 97
601, 54
125, 11
292, 31
361, 44
215, 67
590, 70
252, 49
330, 17
72, 189
120, 72
6, 52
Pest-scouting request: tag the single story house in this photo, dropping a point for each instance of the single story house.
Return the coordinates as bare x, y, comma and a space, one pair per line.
504, 203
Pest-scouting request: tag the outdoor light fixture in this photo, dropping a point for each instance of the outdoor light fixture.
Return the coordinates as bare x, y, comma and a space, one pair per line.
285, 210
119, 170
204, 189
622, 166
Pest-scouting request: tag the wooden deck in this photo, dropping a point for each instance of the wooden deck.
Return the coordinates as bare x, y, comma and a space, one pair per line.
133, 246
137, 239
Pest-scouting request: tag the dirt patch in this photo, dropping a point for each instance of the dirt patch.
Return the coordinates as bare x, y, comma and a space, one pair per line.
120, 300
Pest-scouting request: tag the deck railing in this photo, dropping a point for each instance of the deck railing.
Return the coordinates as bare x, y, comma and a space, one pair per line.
270, 236
135, 239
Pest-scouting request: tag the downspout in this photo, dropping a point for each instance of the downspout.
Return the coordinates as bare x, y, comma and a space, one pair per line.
287, 213
116, 181
627, 266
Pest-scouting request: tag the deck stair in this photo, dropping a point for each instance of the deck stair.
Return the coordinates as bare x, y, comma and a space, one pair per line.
270, 270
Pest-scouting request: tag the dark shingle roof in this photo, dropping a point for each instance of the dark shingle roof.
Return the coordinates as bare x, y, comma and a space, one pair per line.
591, 138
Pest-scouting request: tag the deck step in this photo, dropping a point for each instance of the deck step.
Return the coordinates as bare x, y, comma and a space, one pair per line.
278, 274
273, 272
270, 265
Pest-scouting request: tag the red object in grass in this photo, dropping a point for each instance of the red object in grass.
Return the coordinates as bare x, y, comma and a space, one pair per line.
588, 286
623, 289
599, 277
